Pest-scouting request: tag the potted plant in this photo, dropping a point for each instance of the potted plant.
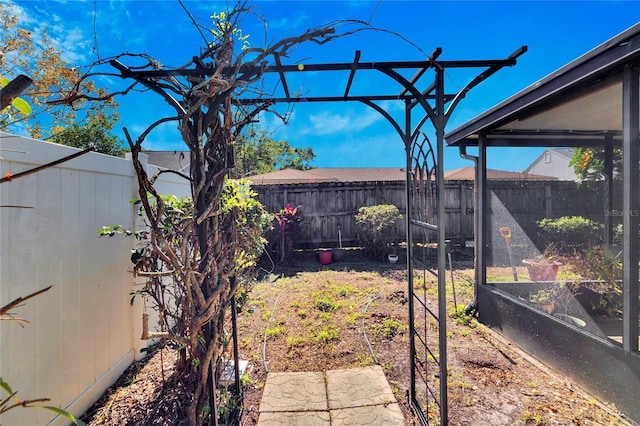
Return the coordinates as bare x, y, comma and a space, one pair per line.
337, 254
393, 255
543, 300
324, 256
599, 289
542, 269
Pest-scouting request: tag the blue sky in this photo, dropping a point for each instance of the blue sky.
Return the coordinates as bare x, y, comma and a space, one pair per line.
345, 134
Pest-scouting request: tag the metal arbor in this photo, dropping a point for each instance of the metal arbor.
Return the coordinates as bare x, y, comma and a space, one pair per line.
424, 182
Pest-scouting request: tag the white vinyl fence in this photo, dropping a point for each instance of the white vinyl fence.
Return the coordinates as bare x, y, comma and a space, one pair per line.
83, 333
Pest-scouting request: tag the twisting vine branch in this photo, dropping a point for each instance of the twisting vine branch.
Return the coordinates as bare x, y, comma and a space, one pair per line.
204, 242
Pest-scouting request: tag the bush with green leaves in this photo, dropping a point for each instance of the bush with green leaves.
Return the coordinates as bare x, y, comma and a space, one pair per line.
570, 232
238, 200
252, 222
377, 229
169, 289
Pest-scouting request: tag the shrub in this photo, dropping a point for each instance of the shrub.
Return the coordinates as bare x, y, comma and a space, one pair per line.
287, 224
570, 232
377, 228
252, 222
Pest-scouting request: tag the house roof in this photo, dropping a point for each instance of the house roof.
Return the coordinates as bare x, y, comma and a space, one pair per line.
564, 152
379, 174
580, 104
179, 160
468, 173
358, 174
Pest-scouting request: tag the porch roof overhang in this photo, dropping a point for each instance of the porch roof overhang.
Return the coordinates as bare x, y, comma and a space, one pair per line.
580, 104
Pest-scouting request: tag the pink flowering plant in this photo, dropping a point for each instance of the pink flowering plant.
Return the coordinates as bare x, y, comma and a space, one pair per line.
288, 220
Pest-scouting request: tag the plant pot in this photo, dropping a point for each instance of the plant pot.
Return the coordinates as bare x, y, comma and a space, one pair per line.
324, 257
542, 270
548, 307
393, 258
337, 254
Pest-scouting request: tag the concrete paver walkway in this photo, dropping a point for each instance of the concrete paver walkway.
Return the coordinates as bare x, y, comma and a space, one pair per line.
356, 396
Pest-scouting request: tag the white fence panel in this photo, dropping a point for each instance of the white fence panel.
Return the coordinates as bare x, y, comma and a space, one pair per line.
83, 333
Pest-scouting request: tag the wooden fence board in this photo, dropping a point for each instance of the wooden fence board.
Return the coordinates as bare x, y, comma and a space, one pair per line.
325, 206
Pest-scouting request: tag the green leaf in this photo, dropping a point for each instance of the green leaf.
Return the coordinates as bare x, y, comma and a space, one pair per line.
4, 385
22, 106
66, 414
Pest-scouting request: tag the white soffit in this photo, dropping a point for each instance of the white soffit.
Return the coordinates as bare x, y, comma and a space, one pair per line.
596, 111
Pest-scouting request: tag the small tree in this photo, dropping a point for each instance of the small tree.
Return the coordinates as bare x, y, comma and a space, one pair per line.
96, 132
588, 163
257, 153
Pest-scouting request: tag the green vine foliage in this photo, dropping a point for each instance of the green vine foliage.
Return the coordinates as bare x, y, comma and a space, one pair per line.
252, 222
589, 165
168, 291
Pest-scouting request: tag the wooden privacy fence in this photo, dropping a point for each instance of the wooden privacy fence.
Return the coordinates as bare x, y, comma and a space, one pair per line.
329, 205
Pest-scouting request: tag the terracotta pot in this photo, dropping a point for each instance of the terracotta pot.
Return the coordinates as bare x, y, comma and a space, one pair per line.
548, 307
324, 257
541, 270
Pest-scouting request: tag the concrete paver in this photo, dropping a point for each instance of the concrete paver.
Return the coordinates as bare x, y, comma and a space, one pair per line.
297, 418
294, 392
357, 387
356, 396
387, 415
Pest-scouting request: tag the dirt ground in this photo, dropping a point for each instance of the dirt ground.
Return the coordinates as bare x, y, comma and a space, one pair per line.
308, 317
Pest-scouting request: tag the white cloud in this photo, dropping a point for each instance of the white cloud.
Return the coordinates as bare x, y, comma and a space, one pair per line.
74, 45
328, 123
67, 33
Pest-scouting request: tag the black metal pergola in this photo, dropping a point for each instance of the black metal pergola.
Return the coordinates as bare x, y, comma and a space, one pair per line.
424, 100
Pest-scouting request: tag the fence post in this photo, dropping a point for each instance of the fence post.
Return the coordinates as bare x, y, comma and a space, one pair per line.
463, 213
547, 201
